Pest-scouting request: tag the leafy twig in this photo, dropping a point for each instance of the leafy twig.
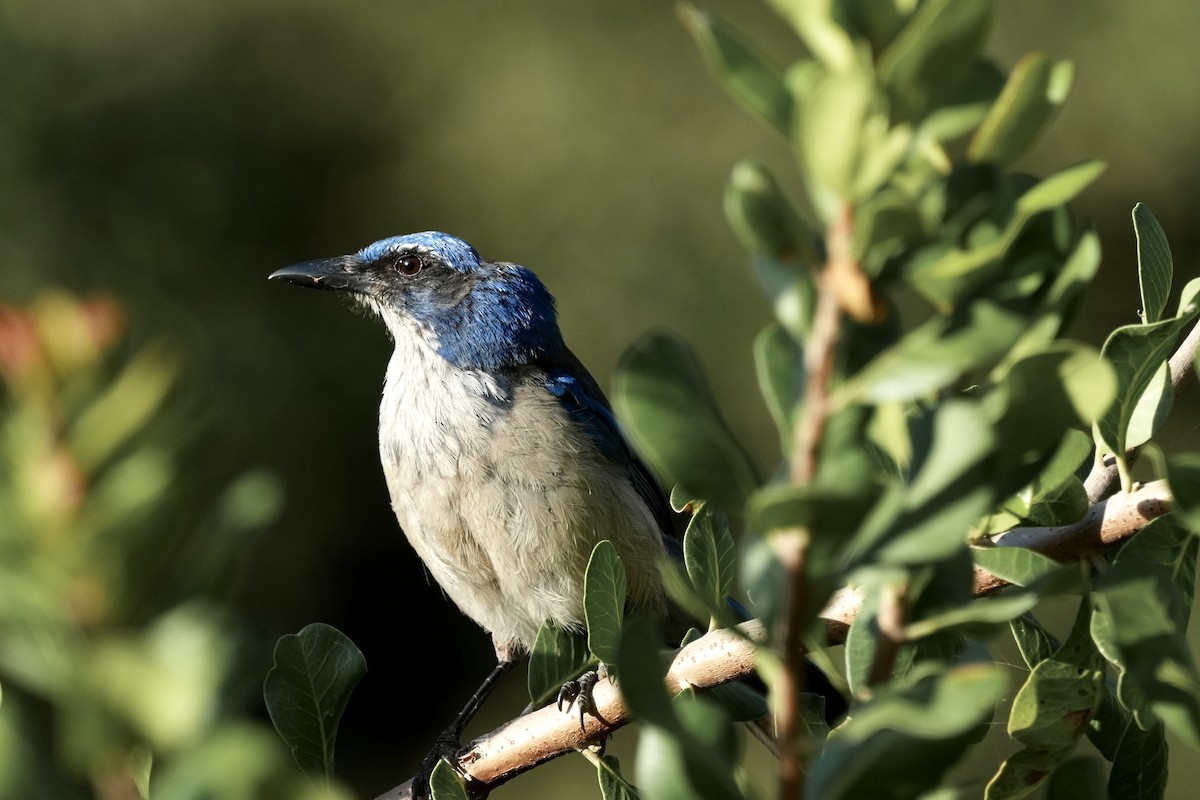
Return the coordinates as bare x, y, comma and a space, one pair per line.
728, 654
1182, 364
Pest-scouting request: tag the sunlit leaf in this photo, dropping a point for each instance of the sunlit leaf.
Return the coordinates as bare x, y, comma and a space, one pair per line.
1035, 91
1154, 263
446, 784
1060, 188
1137, 353
604, 601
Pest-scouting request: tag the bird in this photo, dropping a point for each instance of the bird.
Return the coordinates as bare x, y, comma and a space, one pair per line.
503, 458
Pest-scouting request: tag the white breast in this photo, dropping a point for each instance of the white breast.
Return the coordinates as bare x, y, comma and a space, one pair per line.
502, 497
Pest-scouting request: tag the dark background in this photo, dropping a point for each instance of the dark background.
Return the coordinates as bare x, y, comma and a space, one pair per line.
172, 155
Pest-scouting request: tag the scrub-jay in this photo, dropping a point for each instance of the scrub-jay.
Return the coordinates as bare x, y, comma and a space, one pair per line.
502, 456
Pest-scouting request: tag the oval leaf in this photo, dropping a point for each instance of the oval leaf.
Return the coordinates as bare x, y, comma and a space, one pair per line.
1034, 93
307, 691
1060, 188
751, 80
557, 657
1154, 263
664, 401
604, 601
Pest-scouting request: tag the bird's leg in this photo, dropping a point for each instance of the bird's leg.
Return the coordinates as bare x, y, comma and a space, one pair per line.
579, 693
449, 742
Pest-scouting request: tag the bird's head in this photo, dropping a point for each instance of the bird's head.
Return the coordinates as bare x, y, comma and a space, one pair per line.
477, 314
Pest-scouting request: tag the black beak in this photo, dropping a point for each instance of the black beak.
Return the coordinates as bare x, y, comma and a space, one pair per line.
340, 273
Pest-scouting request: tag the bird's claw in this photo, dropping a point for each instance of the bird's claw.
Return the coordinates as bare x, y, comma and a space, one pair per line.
579, 693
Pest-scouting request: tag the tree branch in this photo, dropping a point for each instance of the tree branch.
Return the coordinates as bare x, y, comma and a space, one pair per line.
727, 655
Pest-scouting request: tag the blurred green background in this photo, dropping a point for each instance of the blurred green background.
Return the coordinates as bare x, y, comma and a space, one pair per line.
171, 155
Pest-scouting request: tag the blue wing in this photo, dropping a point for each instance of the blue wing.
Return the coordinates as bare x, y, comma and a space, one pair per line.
583, 399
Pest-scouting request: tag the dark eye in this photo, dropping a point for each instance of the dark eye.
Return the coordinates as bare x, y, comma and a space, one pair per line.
409, 264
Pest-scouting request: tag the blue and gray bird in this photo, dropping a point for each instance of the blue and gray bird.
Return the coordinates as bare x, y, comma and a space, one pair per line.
502, 456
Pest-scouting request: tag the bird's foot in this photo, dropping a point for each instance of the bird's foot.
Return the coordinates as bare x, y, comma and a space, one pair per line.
445, 748
579, 693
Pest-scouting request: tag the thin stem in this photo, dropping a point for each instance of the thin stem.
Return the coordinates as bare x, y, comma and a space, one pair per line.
840, 285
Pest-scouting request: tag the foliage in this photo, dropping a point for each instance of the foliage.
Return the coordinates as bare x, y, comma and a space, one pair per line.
122, 676
925, 402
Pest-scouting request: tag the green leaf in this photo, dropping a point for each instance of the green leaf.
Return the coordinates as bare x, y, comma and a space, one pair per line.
1052, 709
933, 52
841, 106
1151, 410
1139, 770
780, 366
127, 404
1035, 642
557, 657
1047, 392
908, 733
823, 34
1183, 476
1154, 263
762, 217
936, 354
642, 671
1035, 91
751, 80
1076, 779
710, 556
684, 594
790, 288
950, 491
1060, 188
446, 784
1137, 353
740, 702
613, 785
664, 401
694, 761
1021, 774
604, 591
1016, 564
1109, 722
1060, 299
1056, 496
1143, 603
307, 691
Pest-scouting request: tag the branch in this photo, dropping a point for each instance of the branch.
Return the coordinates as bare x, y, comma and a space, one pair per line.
727, 655
1106, 524
520, 745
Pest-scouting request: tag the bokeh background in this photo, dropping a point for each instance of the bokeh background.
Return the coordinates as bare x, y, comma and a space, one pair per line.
171, 155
